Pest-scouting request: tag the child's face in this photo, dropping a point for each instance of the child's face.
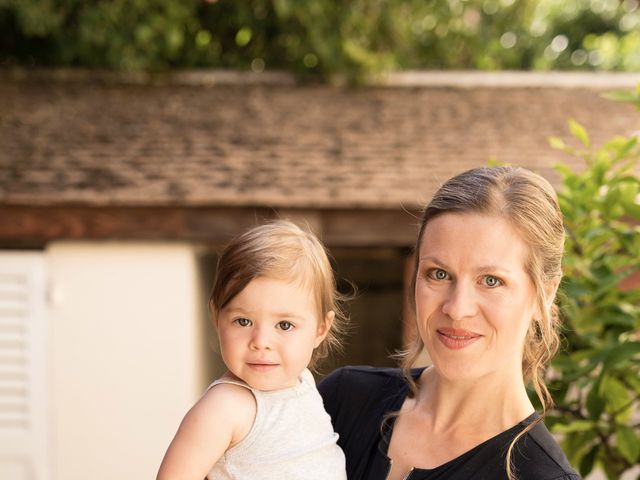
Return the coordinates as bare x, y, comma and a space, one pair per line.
268, 333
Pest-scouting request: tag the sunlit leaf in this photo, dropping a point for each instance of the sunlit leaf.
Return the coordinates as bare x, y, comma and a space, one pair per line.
616, 396
579, 132
620, 96
576, 426
557, 143
628, 443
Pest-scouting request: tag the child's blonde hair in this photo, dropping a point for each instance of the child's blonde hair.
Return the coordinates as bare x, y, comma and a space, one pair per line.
281, 250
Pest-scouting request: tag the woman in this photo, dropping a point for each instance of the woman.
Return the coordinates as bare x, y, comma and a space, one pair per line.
487, 268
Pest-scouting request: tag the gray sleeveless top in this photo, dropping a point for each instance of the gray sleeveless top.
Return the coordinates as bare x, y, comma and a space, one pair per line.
291, 438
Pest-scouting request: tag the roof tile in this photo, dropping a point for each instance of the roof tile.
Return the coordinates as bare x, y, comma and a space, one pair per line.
271, 145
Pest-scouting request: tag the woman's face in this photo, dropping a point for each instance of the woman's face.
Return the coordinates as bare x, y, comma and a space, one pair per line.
474, 300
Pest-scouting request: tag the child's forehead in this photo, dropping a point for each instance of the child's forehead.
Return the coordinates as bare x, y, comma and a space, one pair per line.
303, 284
297, 276
275, 296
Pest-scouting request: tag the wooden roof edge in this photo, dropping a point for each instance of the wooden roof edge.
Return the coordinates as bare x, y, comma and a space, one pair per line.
188, 78
37, 226
60, 200
513, 79
405, 79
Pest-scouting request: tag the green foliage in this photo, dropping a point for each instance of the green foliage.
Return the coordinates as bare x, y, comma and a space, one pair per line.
323, 38
587, 34
119, 34
596, 378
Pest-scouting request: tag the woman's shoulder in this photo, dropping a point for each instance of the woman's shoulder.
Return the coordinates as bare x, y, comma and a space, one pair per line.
360, 378
538, 455
366, 373
361, 385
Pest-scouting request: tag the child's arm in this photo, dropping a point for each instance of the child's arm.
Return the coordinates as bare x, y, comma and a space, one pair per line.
218, 421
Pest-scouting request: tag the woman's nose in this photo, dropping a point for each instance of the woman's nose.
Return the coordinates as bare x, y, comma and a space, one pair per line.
460, 301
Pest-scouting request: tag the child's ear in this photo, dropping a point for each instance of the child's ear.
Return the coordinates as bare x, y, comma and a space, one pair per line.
324, 327
214, 314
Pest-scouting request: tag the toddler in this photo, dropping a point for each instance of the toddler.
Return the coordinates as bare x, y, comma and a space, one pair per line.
275, 307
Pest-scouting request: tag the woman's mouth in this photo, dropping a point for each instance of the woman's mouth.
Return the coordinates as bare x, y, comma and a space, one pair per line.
457, 338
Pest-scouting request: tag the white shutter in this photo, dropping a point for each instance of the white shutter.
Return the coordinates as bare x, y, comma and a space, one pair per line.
23, 400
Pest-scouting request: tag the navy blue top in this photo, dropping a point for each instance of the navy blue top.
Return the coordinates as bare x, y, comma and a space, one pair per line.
359, 398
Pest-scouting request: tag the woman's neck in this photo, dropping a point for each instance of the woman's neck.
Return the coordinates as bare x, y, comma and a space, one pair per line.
486, 406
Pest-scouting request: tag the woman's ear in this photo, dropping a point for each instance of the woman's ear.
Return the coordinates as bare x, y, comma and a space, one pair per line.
323, 327
550, 290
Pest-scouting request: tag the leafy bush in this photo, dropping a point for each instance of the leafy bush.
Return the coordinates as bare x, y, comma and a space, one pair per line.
324, 37
596, 378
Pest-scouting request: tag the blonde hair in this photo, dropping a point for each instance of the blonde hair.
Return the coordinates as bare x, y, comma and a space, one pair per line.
529, 203
281, 250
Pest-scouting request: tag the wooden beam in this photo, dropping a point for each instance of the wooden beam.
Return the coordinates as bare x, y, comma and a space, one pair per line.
29, 226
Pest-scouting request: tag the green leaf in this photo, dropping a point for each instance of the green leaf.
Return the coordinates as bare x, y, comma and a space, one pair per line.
576, 426
628, 443
621, 353
243, 37
579, 132
611, 468
557, 143
577, 443
621, 96
634, 381
625, 149
586, 464
616, 396
595, 403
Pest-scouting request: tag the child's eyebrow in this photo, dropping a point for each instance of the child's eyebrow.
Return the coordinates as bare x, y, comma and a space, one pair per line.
283, 314
288, 315
230, 309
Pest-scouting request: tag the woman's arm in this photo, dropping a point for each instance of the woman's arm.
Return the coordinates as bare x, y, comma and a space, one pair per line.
218, 421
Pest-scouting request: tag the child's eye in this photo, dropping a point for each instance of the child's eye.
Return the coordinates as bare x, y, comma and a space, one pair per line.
437, 274
491, 281
284, 325
243, 322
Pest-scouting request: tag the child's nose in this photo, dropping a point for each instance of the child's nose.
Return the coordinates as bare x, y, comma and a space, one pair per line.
261, 339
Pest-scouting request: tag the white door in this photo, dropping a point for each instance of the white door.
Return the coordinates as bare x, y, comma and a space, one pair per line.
23, 393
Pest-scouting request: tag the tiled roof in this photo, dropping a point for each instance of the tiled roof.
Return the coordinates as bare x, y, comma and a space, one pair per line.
109, 144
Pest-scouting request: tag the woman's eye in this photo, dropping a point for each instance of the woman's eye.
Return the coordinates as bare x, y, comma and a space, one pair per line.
438, 274
491, 281
284, 325
243, 322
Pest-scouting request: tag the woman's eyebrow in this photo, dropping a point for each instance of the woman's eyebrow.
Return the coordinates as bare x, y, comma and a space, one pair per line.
491, 268
433, 259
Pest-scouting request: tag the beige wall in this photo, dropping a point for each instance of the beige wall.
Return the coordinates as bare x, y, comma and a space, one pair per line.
125, 355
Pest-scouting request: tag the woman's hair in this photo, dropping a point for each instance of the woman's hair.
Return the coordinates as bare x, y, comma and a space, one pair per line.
529, 204
281, 250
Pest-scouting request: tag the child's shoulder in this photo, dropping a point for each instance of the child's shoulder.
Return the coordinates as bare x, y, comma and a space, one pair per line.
230, 404
220, 419
230, 399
